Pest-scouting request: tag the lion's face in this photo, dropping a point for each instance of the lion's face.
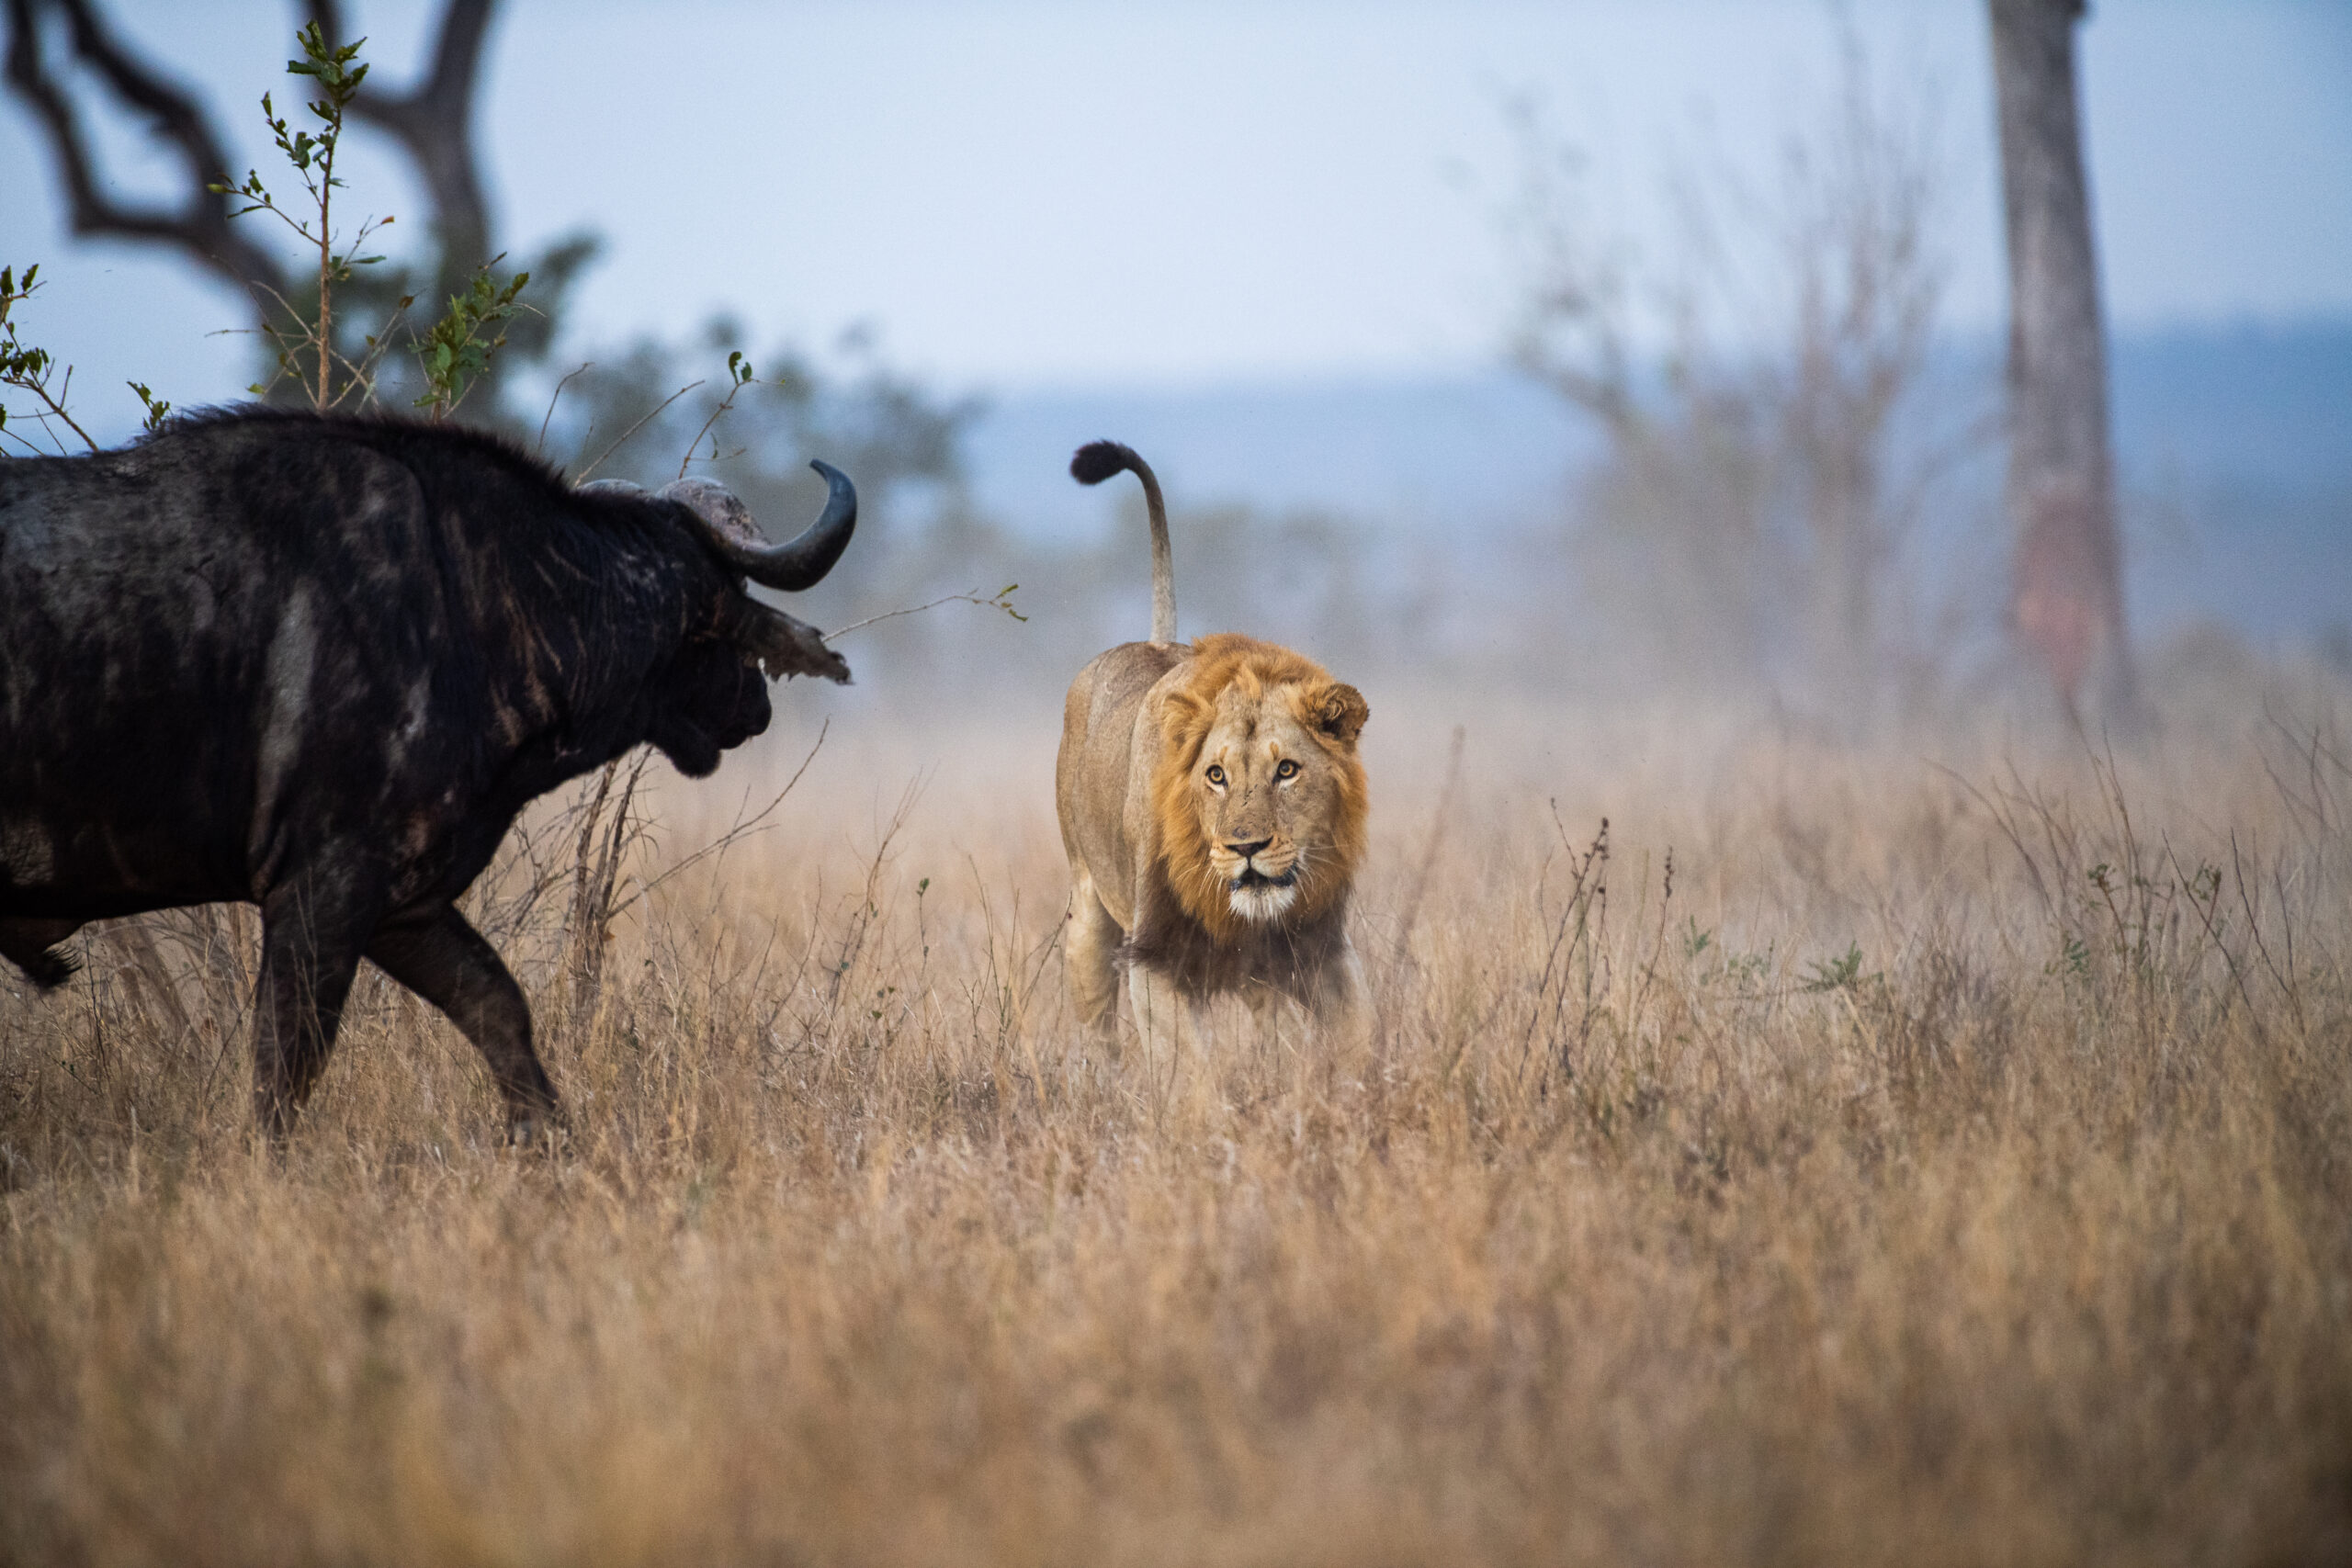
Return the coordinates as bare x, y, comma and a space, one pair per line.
1272, 794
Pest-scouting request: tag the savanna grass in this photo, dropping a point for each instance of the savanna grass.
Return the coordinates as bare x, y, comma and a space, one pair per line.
1943, 1161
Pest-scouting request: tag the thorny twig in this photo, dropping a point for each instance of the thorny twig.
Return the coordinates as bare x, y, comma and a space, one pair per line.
743, 827
1587, 908
2285, 982
854, 940
1001, 602
541, 444
632, 430
739, 371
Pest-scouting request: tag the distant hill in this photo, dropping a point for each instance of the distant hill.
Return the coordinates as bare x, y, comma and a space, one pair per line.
1483, 449
2235, 447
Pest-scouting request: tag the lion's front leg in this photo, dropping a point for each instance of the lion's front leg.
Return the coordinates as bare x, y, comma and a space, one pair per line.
1265, 1004
1089, 957
1342, 1004
1166, 1020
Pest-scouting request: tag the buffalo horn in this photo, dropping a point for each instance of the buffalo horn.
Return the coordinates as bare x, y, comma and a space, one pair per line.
790, 567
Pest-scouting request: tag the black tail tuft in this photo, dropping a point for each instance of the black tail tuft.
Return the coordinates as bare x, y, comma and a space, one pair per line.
50, 968
1098, 460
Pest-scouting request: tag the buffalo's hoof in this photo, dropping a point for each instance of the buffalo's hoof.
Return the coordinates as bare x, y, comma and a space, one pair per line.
542, 1129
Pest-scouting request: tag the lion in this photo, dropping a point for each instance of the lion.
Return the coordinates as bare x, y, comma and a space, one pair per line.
1215, 812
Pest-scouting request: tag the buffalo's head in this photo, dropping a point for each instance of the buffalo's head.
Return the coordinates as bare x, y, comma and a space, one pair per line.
713, 693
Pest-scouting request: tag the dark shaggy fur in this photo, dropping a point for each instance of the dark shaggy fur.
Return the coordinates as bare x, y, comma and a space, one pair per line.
320, 664
1298, 960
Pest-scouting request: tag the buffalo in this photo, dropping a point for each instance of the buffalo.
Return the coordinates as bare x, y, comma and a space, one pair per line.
319, 663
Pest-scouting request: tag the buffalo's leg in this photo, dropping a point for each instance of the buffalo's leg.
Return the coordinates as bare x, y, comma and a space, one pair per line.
312, 930
1089, 957
441, 958
26, 942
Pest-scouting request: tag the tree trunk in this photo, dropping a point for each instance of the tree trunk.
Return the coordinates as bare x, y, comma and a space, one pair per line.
2066, 600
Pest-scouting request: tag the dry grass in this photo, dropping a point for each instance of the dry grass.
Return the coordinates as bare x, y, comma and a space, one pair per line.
1892, 1190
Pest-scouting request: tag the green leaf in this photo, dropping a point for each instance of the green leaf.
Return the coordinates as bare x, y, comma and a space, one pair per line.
1836, 973
157, 410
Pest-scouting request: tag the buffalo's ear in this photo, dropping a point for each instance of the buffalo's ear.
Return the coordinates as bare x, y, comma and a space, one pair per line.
1337, 710
782, 645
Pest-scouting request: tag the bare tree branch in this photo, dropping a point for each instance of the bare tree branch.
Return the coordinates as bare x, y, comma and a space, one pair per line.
200, 226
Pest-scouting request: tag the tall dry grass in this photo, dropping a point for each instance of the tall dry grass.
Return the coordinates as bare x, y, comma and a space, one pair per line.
1954, 1166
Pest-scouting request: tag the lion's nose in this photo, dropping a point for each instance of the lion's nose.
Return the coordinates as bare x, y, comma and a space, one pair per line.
1252, 848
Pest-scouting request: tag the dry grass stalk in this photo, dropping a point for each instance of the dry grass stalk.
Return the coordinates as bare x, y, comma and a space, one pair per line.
1947, 1173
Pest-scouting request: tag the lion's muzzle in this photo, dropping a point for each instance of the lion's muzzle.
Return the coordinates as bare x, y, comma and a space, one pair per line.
1261, 886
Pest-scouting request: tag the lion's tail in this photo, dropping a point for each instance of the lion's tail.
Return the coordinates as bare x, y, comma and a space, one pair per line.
1097, 461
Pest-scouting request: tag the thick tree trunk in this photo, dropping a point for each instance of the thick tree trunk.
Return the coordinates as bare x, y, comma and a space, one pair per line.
2068, 597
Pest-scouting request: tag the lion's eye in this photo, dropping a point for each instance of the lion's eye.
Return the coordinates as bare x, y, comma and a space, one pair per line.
1289, 770
1217, 774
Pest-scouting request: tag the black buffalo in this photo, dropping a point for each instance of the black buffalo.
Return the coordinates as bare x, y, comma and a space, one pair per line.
321, 663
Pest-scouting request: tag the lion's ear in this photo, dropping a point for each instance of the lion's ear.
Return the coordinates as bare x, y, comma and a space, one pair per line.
1182, 713
1338, 710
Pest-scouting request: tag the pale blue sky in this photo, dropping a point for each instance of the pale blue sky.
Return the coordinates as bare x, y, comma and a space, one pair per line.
1060, 192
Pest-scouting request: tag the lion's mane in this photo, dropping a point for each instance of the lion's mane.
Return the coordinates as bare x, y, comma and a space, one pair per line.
1229, 660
